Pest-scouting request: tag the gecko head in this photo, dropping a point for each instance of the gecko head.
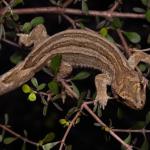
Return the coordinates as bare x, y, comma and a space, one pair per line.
133, 91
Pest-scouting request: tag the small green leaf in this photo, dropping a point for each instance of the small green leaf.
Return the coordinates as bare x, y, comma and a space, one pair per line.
77, 120
16, 2
6, 117
138, 10
9, 140
53, 2
55, 64
44, 101
99, 111
142, 67
95, 107
23, 146
133, 37
2, 30
10, 23
68, 147
1, 137
81, 75
41, 86
16, 57
147, 121
85, 7
139, 125
25, 133
109, 37
71, 111
145, 145
48, 138
117, 23
15, 17
144, 2
49, 146
34, 82
64, 122
81, 25
104, 32
26, 88
75, 89
45, 109
120, 113
32, 97
147, 15
54, 87
37, 20
127, 140
27, 27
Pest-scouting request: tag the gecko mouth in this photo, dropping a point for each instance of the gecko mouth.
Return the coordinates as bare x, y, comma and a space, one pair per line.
136, 105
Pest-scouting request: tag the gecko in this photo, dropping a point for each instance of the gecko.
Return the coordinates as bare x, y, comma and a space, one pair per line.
82, 48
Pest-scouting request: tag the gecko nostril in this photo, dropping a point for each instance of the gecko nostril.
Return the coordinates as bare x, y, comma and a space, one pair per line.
141, 102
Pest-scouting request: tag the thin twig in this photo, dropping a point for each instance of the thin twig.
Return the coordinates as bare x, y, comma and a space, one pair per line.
59, 10
114, 7
18, 135
70, 20
67, 3
10, 42
144, 50
68, 129
127, 146
67, 87
8, 7
124, 43
143, 131
76, 24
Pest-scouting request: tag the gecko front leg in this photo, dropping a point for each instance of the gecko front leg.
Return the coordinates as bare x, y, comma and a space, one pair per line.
101, 82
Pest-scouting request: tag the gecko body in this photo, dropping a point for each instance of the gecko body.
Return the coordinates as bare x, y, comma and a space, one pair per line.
82, 48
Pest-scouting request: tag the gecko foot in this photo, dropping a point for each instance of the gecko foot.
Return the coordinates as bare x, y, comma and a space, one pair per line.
102, 100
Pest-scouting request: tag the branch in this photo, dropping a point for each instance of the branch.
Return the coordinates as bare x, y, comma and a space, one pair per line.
10, 43
115, 5
143, 131
69, 128
124, 43
68, 89
58, 10
18, 135
107, 129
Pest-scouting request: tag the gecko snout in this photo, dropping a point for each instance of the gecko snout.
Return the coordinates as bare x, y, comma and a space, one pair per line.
133, 94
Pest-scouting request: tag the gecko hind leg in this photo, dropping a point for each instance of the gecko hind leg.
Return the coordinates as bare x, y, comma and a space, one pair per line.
137, 57
101, 82
64, 70
134, 60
